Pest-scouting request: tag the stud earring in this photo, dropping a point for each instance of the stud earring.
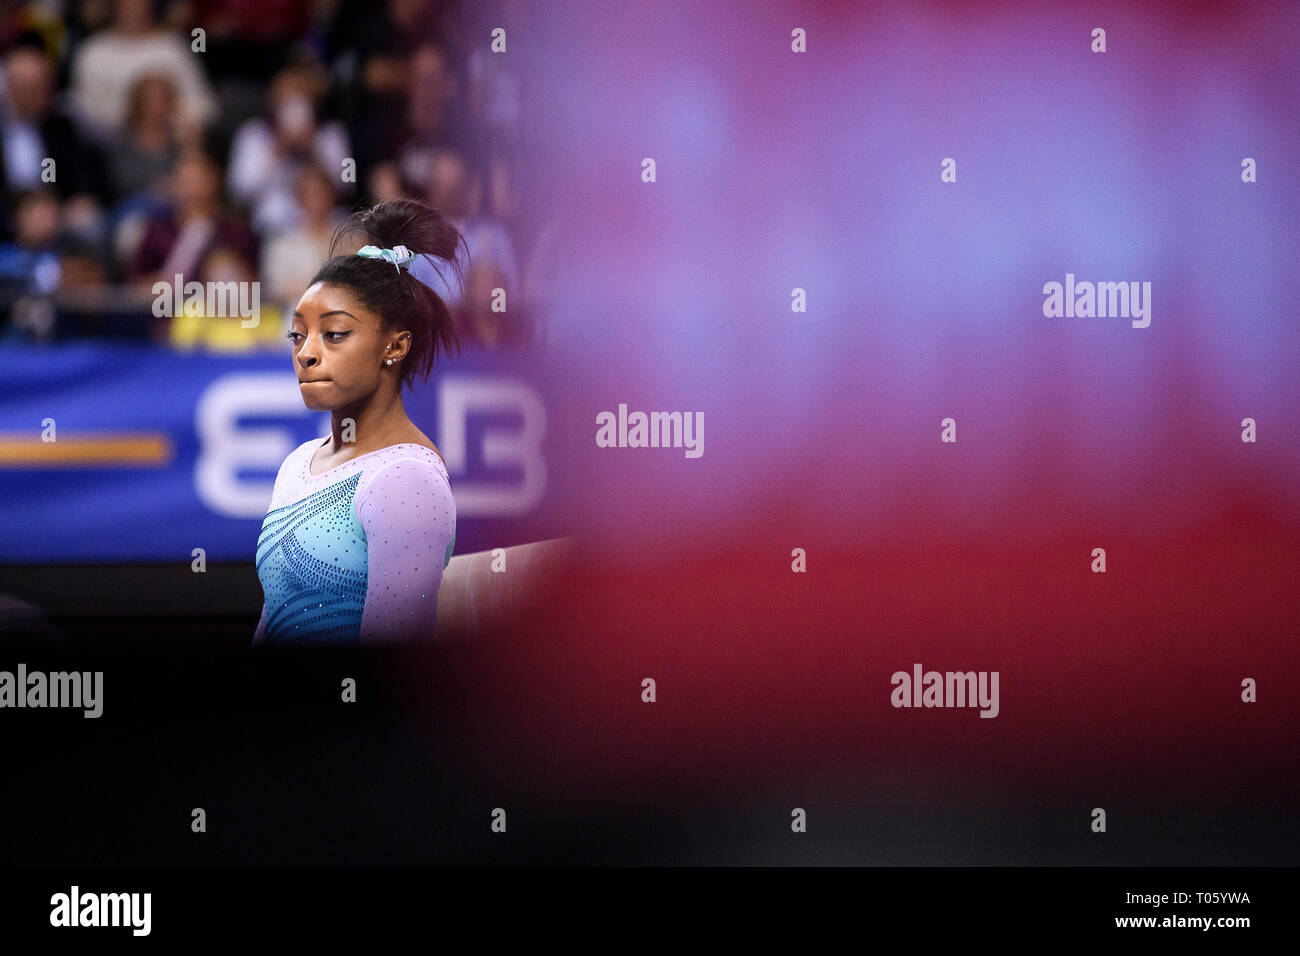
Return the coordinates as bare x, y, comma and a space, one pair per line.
389, 362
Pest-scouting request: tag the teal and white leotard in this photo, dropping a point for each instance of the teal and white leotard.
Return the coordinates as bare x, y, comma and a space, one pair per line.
357, 552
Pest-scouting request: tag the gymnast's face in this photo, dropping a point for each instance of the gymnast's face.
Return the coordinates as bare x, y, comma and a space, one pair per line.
339, 348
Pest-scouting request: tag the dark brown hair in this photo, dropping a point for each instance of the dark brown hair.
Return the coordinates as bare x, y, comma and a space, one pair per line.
400, 299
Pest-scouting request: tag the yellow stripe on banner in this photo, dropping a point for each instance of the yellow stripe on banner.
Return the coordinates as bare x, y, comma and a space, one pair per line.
130, 450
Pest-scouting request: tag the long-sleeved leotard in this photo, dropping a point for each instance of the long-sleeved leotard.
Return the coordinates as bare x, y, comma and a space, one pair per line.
357, 552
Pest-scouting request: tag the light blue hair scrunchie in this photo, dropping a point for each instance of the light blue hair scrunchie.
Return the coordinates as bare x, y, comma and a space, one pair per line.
397, 256
401, 257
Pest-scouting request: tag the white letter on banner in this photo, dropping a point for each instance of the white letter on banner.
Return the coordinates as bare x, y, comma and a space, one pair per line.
225, 447
458, 397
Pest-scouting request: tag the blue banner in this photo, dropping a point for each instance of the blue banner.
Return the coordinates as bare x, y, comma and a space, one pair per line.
139, 453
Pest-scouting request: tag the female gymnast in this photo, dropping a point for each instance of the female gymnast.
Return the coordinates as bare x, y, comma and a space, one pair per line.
362, 522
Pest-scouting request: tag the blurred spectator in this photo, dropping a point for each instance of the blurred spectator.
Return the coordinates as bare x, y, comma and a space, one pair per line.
146, 151
373, 41
495, 87
176, 240
248, 42
195, 328
29, 265
383, 182
455, 191
477, 323
107, 64
290, 259
494, 99
33, 132
436, 117
267, 154
81, 270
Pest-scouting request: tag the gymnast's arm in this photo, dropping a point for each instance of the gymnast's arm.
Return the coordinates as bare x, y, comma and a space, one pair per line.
409, 517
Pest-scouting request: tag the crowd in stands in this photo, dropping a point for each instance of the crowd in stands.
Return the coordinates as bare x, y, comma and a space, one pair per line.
132, 152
